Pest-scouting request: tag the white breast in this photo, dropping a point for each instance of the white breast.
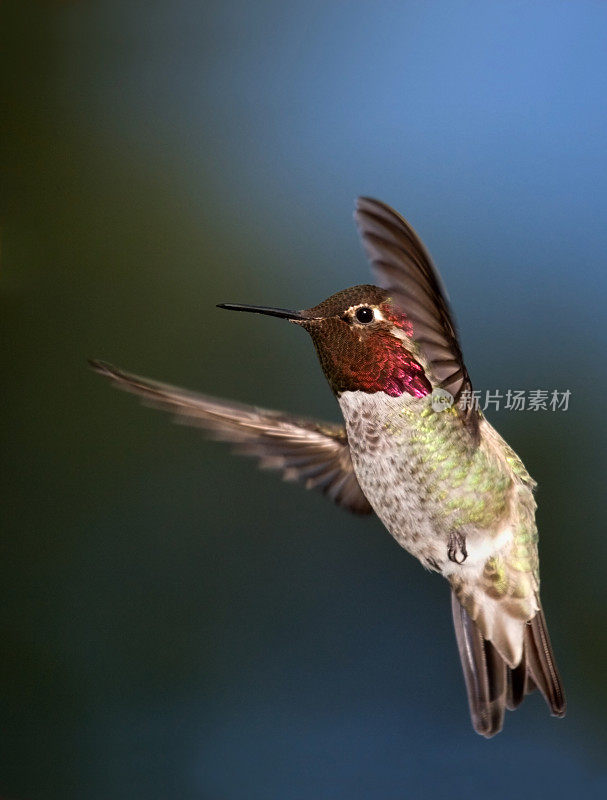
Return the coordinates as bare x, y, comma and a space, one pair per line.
389, 474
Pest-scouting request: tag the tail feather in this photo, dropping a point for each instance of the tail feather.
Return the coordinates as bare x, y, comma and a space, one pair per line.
517, 686
493, 685
541, 665
484, 673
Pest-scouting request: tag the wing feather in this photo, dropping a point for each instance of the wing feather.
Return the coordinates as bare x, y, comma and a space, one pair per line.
404, 267
313, 453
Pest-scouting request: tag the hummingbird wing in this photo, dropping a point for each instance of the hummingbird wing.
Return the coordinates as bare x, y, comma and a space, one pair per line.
404, 267
313, 453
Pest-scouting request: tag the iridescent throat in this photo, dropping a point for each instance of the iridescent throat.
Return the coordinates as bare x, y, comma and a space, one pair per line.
390, 369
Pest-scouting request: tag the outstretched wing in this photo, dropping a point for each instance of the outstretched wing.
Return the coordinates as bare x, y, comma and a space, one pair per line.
313, 453
404, 267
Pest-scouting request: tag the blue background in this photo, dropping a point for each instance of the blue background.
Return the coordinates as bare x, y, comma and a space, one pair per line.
174, 622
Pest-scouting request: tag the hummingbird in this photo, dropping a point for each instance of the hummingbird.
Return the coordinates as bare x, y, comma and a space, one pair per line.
433, 469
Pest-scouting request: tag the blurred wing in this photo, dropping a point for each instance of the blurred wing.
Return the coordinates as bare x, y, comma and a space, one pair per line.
404, 267
313, 453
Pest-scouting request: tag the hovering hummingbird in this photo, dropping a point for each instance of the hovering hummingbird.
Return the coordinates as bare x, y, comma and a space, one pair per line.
440, 478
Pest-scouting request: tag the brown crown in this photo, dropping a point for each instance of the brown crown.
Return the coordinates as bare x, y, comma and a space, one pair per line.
368, 358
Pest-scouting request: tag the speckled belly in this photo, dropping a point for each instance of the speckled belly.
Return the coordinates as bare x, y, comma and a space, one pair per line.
423, 483
391, 476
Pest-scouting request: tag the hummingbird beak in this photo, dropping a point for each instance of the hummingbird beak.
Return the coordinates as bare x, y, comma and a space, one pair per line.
283, 313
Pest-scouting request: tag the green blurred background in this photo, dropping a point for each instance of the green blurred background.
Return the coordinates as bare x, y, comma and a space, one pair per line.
175, 623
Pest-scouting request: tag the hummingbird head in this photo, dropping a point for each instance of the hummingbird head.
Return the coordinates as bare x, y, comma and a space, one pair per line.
363, 341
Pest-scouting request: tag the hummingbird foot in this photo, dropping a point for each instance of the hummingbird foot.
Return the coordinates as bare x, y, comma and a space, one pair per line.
457, 548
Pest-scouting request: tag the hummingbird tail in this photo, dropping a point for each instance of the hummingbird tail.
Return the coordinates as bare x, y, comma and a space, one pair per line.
492, 684
485, 673
542, 671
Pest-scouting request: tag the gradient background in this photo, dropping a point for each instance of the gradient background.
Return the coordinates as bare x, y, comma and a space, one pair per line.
175, 623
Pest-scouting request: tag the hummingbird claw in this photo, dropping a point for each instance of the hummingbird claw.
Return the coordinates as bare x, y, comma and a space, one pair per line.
457, 548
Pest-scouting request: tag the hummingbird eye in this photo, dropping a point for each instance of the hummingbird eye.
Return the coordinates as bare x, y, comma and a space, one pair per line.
364, 314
